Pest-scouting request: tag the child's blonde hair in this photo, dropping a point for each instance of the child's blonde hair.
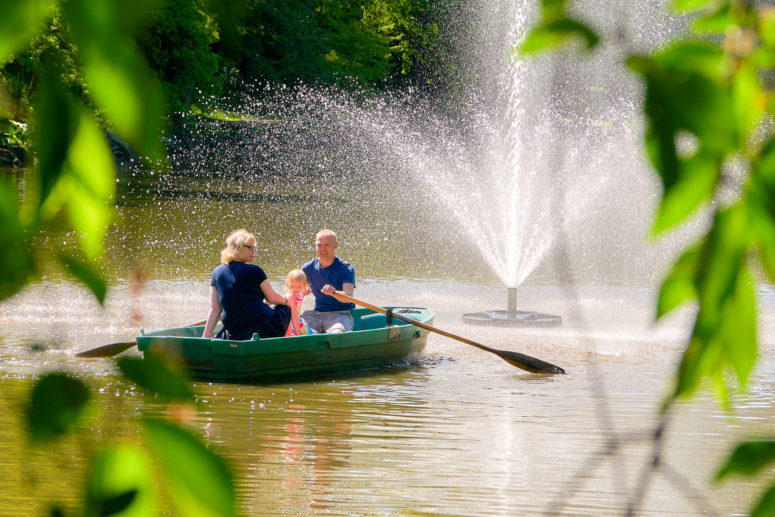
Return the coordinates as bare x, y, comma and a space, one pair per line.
234, 244
296, 275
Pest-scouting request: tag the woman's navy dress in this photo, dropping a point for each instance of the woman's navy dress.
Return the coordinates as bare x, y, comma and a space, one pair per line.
243, 311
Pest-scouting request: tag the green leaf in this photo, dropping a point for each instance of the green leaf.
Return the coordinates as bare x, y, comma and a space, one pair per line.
748, 98
716, 22
748, 458
738, 326
75, 165
199, 480
683, 6
765, 507
91, 185
55, 126
727, 304
697, 103
640, 64
685, 91
87, 273
721, 262
696, 182
121, 483
766, 27
57, 403
678, 288
763, 57
558, 32
20, 21
698, 56
119, 80
553, 9
761, 206
701, 359
157, 377
16, 261
540, 39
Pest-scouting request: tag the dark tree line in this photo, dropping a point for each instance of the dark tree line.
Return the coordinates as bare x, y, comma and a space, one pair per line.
201, 49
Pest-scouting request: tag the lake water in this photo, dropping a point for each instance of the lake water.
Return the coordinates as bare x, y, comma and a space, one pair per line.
460, 433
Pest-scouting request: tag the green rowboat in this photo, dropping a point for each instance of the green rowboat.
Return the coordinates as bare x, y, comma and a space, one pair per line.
374, 342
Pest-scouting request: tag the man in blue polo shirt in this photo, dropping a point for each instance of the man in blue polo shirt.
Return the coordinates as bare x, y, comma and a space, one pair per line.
326, 274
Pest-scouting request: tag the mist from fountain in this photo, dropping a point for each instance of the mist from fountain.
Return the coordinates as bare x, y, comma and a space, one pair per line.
525, 131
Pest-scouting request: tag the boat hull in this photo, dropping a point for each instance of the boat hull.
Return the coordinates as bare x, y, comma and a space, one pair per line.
371, 344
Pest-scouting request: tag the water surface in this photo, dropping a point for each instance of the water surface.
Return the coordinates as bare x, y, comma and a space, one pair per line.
460, 433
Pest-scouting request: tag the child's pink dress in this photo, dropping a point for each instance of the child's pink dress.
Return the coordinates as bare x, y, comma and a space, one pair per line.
297, 301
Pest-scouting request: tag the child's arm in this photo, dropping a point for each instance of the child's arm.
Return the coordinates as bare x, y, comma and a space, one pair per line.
294, 315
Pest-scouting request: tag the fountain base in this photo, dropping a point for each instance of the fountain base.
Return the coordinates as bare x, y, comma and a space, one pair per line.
498, 318
512, 317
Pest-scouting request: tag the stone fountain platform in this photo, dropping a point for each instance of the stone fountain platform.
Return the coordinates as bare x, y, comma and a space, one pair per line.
504, 318
512, 317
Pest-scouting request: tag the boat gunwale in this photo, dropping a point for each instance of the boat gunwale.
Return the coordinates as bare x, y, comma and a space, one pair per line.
268, 345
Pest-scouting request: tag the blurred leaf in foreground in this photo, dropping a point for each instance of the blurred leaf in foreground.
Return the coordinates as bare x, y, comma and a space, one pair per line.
121, 483
199, 480
157, 377
56, 404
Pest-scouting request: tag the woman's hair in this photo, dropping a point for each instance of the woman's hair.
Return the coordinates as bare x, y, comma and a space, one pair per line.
234, 244
296, 275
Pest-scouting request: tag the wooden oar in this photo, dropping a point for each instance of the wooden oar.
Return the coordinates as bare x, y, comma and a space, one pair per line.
116, 348
527, 363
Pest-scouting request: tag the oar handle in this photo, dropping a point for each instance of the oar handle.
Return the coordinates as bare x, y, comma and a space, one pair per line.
530, 364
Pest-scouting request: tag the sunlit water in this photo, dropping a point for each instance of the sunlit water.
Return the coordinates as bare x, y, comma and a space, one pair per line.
460, 433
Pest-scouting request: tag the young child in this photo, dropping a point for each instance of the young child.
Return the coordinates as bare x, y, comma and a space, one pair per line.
296, 286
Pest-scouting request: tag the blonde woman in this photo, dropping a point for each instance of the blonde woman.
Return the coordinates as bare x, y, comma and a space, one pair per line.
237, 293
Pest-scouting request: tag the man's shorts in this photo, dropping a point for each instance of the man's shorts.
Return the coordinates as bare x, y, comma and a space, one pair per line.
325, 322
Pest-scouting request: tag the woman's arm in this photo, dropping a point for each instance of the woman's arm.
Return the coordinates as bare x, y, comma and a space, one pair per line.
271, 295
215, 313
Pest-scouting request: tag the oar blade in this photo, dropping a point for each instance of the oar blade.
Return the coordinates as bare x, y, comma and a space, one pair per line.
116, 348
527, 363
107, 350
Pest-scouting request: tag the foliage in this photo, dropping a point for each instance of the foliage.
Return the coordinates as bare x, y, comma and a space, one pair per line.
178, 47
74, 60
123, 478
56, 404
18, 75
707, 89
556, 28
151, 374
196, 48
330, 41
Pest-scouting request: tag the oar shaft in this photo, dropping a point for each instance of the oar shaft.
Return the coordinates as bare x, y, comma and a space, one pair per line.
530, 364
406, 319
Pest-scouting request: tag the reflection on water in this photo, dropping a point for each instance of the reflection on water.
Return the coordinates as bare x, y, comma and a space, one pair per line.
460, 433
